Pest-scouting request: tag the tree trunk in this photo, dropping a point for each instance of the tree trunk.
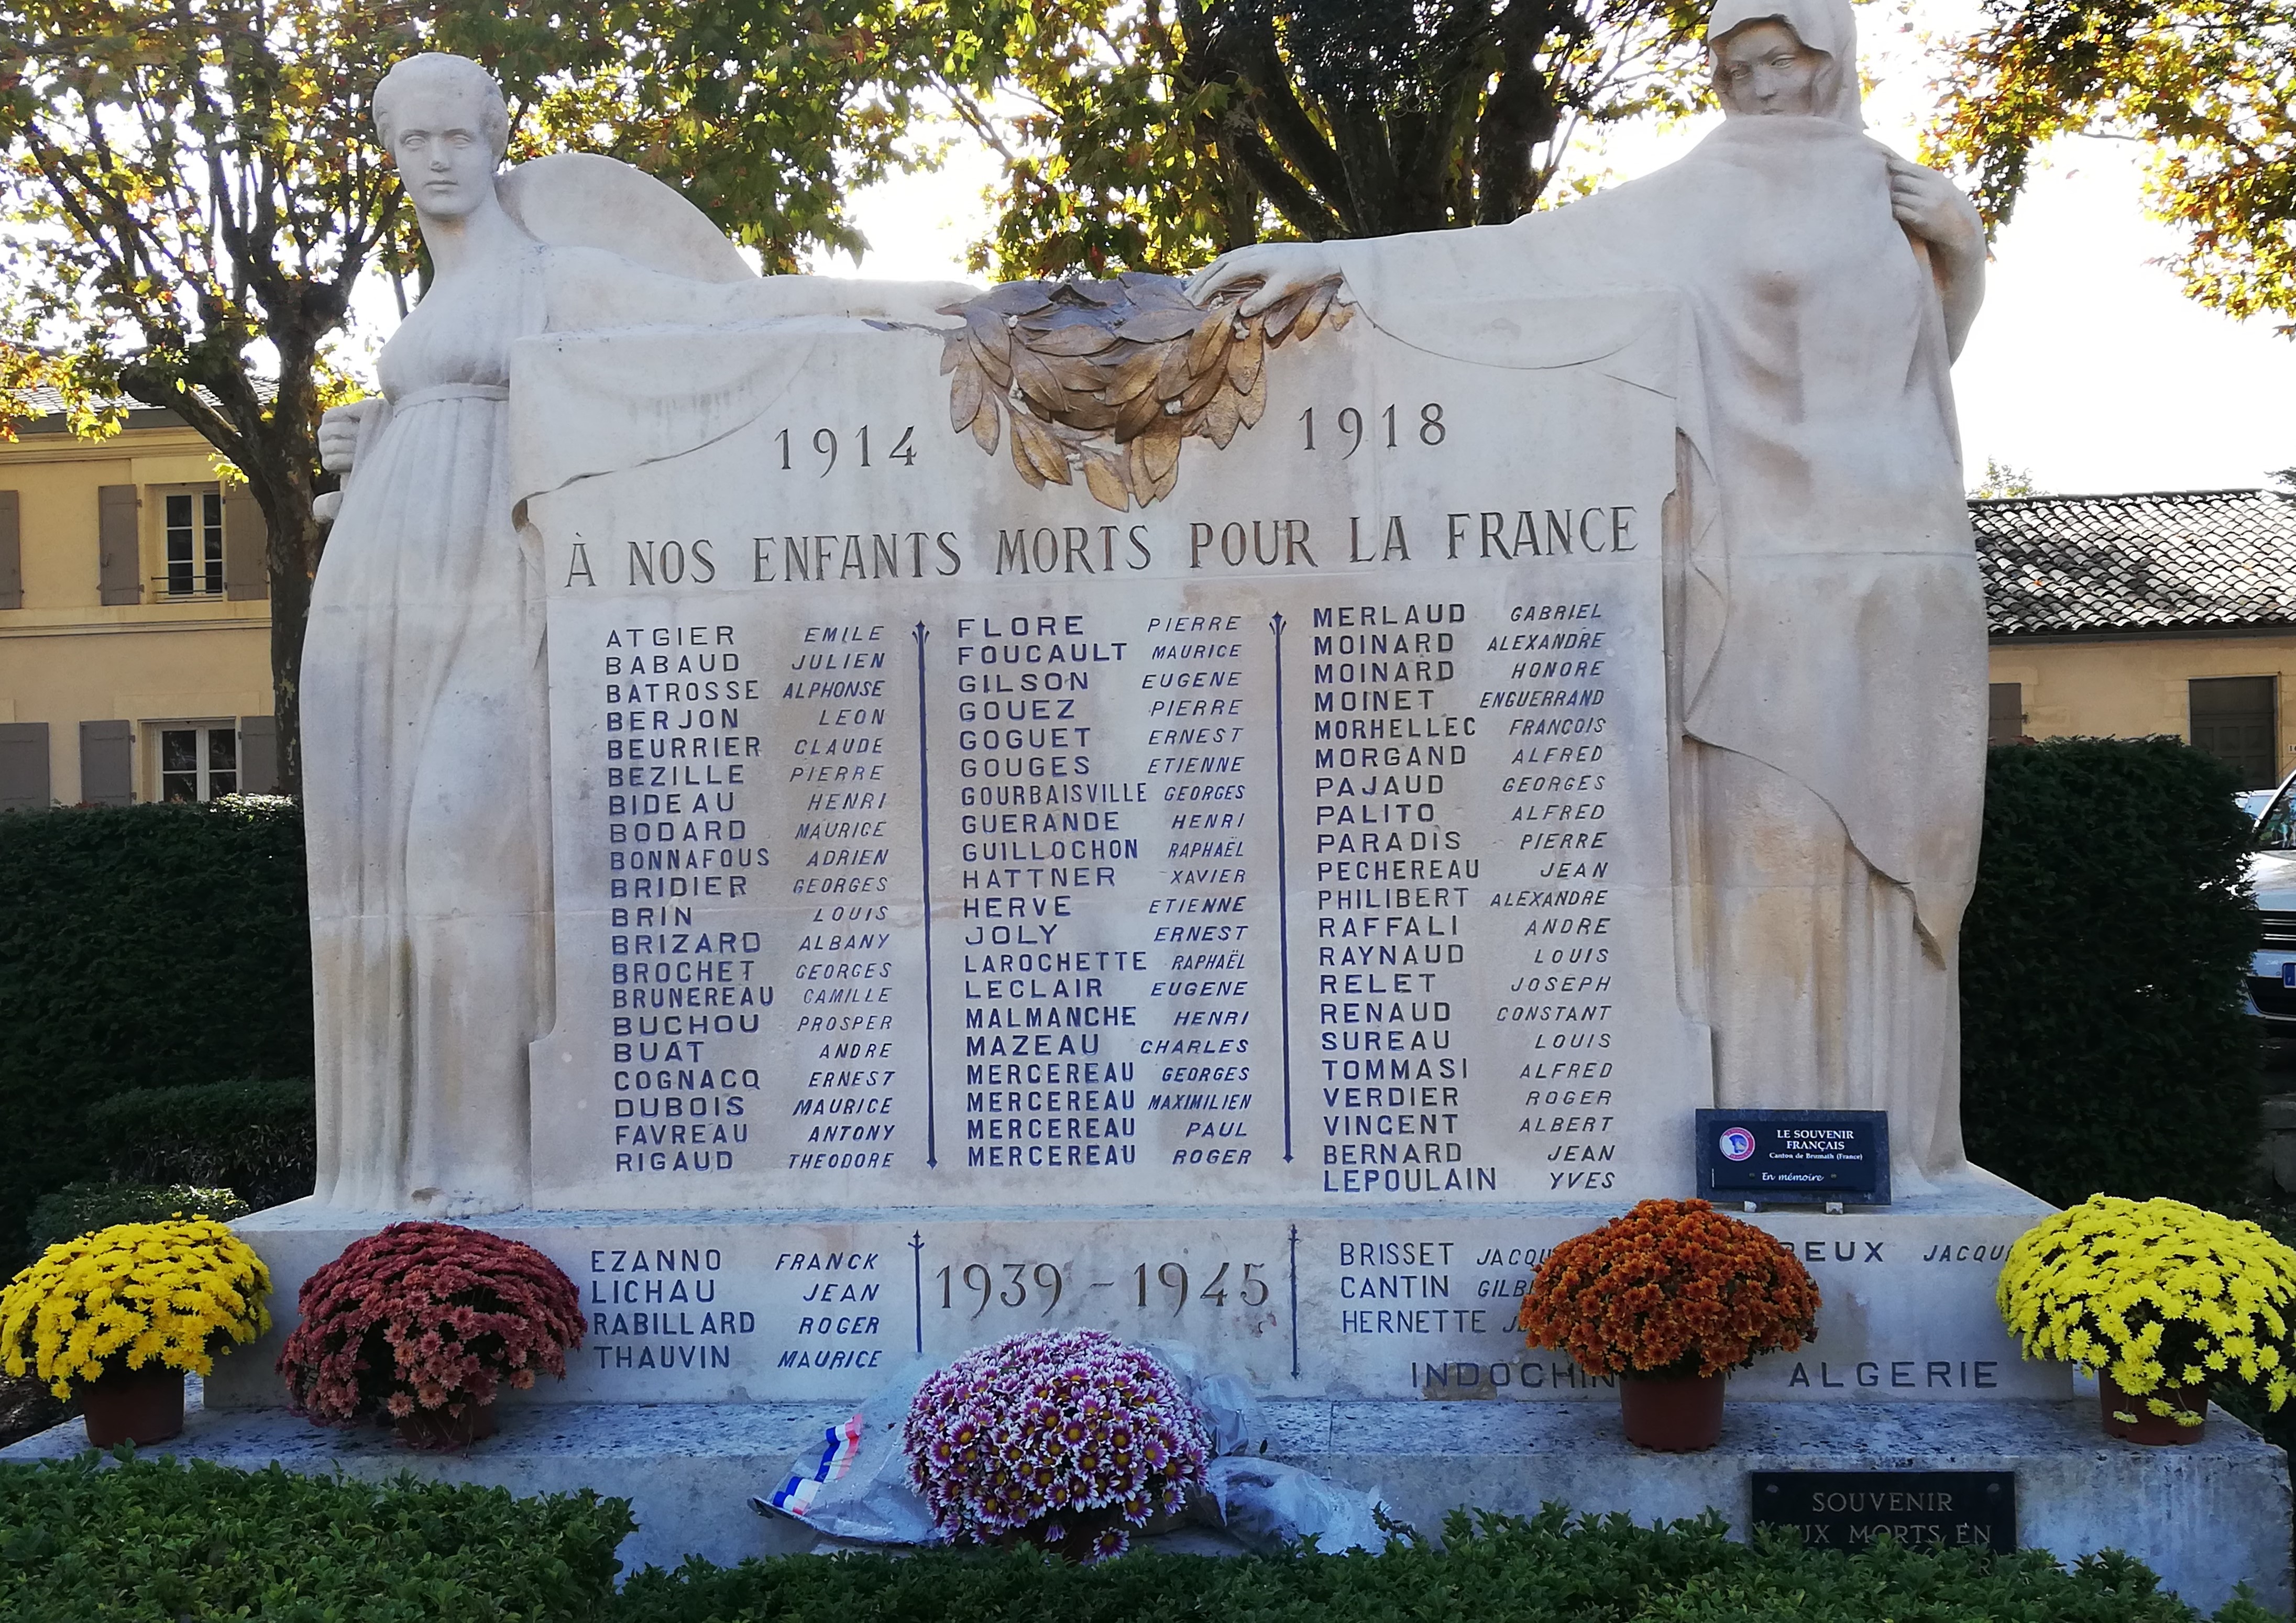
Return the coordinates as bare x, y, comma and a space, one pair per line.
293, 549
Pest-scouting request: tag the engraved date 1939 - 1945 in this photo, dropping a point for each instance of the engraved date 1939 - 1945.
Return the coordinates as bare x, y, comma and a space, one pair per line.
1043, 1284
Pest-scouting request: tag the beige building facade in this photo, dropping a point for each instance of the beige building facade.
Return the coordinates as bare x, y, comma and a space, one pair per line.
134, 621
2125, 615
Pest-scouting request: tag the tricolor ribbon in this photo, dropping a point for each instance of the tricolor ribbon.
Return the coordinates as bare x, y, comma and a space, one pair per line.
795, 1496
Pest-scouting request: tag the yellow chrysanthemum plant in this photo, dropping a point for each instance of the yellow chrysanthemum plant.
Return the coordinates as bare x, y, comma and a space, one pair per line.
132, 1296
2156, 1295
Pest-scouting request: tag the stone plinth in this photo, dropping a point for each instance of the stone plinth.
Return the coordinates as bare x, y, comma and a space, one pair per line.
2206, 1516
1413, 1302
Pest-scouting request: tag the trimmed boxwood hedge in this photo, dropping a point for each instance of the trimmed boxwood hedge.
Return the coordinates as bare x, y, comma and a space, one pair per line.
82, 1209
2103, 1045
1546, 1569
141, 947
151, 1540
259, 1139
155, 1540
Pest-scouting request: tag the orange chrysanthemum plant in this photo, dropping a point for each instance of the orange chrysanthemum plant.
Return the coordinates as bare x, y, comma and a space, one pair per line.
1674, 1288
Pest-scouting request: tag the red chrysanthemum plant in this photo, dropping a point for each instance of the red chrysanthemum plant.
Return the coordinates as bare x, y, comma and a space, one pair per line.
1674, 1288
427, 1316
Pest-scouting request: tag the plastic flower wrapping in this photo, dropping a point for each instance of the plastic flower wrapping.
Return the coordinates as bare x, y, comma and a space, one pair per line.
427, 1316
1672, 1288
2156, 1294
1069, 1440
132, 1296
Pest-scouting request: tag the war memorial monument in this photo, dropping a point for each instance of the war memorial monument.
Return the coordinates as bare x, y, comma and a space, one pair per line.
864, 818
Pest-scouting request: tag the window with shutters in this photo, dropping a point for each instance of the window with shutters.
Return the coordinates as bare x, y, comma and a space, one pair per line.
194, 543
2237, 720
198, 761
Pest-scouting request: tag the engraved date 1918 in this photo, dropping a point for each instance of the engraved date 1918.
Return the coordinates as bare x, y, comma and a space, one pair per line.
1350, 424
977, 1285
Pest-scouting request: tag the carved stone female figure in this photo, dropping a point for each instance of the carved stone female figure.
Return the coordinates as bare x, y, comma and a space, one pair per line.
1827, 632
427, 795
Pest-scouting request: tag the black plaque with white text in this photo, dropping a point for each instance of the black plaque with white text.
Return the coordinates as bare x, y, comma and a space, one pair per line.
1930, 1510
1794, 1157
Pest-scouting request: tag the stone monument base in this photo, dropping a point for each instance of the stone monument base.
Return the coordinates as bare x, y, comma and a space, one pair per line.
2206, 1516
1331, 1300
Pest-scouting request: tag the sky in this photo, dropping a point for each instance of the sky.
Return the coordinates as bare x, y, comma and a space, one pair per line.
2088, 368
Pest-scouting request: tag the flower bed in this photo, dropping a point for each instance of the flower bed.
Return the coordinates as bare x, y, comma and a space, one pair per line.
427, 1316
1672, 1288
131, 1297
1066, 1440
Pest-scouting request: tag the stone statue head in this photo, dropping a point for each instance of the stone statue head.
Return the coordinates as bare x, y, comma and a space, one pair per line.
443, 121
1785, 56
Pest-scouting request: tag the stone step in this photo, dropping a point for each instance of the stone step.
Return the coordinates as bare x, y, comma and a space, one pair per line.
2205, 1516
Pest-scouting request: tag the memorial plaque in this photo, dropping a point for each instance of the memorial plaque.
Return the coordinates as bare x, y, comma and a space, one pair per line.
1292, 852
1845, 1510
1794, 1157
926, 839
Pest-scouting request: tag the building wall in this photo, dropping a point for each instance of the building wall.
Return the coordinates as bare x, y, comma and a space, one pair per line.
67, 658
2133, 686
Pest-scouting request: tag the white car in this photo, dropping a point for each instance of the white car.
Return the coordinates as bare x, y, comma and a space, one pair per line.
2272, 871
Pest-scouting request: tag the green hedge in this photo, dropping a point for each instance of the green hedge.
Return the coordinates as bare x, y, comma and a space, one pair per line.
1547, 1568
184, 1543
81, 1209
257, 1138
141, 947
2104, 1045
156, 1540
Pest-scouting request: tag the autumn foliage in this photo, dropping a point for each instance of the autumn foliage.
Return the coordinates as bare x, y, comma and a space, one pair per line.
1673, 1287
428, 1316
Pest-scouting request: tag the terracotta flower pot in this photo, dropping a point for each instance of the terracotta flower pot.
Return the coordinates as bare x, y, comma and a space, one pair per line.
141, 1406
435, 1431
2148, 1427
1674, 1414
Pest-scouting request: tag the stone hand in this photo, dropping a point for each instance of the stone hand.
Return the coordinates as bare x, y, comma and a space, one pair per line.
1279, 269
338, 432
1933, 209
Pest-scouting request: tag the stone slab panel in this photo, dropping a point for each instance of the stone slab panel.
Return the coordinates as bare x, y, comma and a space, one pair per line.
923, 838
1415, 1302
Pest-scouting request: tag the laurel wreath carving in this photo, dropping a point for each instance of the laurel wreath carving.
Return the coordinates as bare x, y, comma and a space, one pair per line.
1107, 378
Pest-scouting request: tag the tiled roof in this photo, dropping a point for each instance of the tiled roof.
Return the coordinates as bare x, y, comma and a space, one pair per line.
49, 402
2162, 560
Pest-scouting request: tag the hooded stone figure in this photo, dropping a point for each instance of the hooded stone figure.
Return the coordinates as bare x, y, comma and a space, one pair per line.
1826, 624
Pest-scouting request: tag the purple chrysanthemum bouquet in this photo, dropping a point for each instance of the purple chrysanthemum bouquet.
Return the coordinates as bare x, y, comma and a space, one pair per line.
1068, 1441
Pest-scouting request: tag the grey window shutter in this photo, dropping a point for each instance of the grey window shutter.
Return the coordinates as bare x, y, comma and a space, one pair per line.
2237, 720
24, 765
119, 555
107, 763
259, 756
246, 540
11, 552
2005, 722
